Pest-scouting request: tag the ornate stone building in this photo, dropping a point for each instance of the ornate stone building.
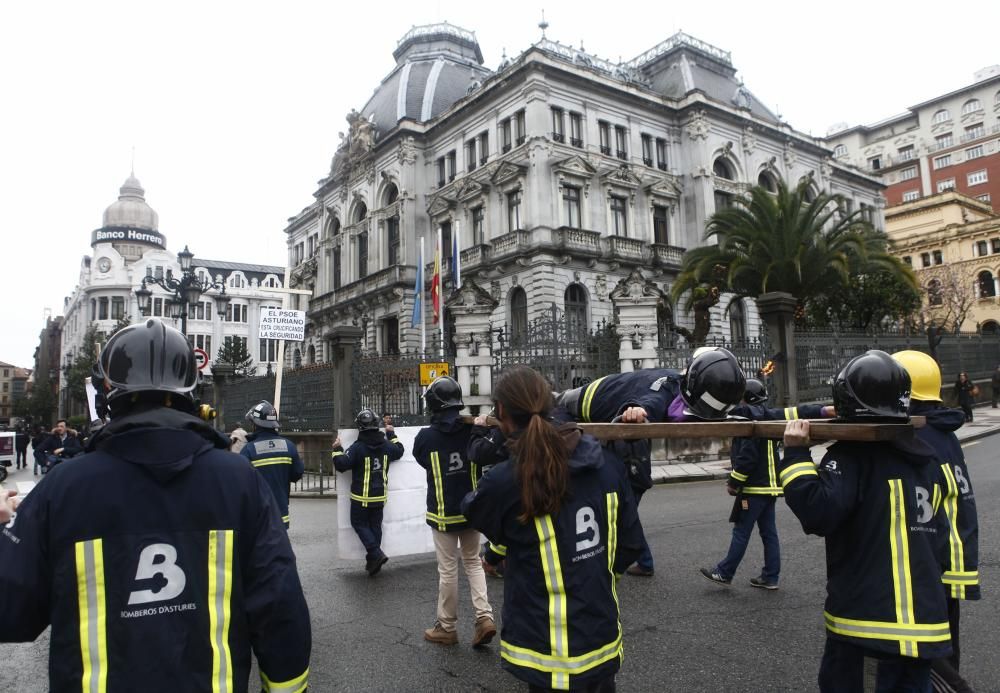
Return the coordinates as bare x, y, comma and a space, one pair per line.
559, 173
129, 246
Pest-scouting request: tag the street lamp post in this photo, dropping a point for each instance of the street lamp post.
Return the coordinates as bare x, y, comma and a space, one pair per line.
186, 291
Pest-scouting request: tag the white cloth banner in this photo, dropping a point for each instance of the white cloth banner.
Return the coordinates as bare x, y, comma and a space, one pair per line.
404, 524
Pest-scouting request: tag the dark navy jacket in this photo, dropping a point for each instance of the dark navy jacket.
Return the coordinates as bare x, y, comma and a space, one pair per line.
487, 447
879, 507
171, 551
961, 566
442, 450
561, 625
71, 447
368, 461
653, 389
755, 460
278, 461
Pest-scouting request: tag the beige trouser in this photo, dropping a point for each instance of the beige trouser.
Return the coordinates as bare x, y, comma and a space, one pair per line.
450, 547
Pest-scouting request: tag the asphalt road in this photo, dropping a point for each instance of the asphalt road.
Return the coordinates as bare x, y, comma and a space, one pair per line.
682, 633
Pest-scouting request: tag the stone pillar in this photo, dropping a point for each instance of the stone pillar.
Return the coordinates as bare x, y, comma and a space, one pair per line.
636, 299
343, 344
472, 307
777, 310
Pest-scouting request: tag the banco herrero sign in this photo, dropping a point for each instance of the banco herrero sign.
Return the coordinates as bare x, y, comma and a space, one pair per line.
122, 235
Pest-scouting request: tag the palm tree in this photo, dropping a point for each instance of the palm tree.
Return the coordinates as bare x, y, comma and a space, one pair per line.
784, 241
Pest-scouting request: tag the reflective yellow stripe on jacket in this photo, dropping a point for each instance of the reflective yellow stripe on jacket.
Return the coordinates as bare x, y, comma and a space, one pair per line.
365, 498
774, 489
556, 587
93, 615
296, 685
588, 397
956, 577
220, 590
902, 580
612, 502
794, 471
271, 460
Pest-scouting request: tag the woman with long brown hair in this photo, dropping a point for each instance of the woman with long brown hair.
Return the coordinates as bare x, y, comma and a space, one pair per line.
563, 507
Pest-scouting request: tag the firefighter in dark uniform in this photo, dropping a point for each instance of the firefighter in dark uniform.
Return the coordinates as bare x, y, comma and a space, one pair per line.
442, 450
710, 387
488, 447
158, 558
368, 461
275, 457
879, 506
754, 482
961, 565
563, 507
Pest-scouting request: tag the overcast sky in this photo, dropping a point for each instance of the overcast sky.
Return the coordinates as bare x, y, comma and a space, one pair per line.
234, 107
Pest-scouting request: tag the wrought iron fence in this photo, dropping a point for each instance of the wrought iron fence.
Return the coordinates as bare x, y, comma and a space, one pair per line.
821, 354
319, 478
560, 347
306, 398
752, 353
390, 384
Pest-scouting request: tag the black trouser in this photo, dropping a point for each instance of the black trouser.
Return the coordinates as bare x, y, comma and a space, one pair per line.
603, 686
367, 523
944, 671
22, 459
996, 394
843, 670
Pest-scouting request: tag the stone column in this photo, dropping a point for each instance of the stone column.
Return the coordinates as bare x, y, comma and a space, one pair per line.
343, 344
472, 308
636, 299
777, 310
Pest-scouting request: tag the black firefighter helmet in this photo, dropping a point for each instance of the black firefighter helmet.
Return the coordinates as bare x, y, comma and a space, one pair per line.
148, 361
366, 420
263, 415
756, 392
872, 386
713, 383
443, 393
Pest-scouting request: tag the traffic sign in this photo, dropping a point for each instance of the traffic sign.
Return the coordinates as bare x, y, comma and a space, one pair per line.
201, 356
430, 371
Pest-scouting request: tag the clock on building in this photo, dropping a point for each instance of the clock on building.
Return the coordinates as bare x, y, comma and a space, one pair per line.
104, 264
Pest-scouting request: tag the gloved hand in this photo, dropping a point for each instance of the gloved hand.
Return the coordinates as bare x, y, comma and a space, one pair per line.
732, 490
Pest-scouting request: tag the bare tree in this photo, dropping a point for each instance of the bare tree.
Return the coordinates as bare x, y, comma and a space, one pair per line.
948, 296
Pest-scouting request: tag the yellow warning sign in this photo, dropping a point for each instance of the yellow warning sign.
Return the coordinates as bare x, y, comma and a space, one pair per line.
429, 371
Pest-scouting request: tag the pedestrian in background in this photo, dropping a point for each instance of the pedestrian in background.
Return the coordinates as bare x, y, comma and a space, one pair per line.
442, 450
563, 507
238, 438
995, 384
21, 447
368, 461
37, 439
965, 394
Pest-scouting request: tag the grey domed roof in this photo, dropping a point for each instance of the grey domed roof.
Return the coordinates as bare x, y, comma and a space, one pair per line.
435, 67
131, 210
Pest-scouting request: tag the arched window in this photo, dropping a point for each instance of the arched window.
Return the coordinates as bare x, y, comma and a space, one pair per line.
984, 280
840, 150
360, 212
334, 226
362, 255
767, 181
237, 281
990, 327
312, 354
971, 106
941, 116
724, 169
737, 321
934, 294
576, 311
809, 195
518, 315
391, 195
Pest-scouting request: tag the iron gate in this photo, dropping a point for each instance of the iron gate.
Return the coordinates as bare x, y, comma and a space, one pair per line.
390, 385
566, 353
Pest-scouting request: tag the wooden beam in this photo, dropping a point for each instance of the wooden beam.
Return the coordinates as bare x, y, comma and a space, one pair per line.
819, 430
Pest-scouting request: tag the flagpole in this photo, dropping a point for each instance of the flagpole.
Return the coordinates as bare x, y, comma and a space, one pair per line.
440, 300
423, 313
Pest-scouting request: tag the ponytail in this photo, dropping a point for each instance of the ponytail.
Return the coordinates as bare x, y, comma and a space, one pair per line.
541, 454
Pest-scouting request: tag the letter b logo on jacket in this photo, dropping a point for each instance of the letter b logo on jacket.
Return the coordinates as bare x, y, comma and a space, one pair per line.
159, 559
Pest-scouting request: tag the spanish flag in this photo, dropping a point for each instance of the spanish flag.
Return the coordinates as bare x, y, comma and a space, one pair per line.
436, 280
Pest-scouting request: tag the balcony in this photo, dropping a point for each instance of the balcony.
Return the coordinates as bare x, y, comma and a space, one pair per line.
510, 244
606, 151
506, 148
662, 165
576, 142
558, 137
648, 161
667, 255
520, 141
628, 249
475, 256
378, 282
622, 154
578, 241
